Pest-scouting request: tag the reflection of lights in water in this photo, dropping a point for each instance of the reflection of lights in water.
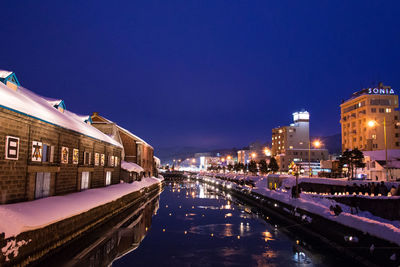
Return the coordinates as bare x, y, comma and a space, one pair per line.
267, 236
180, 207
241, 229
192, 207
301, 257
166, 206
170, 214
228, 215
163, 230
238, 237
201, 192
212, 234
185, 232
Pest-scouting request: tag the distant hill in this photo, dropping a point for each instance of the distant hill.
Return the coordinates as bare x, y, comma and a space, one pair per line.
167, 154
333, 143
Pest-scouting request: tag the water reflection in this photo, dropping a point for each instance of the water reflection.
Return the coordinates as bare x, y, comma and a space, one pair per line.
200, 226
122, 239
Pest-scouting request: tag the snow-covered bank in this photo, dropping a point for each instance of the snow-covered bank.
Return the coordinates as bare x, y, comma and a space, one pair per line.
320, 205
20, 217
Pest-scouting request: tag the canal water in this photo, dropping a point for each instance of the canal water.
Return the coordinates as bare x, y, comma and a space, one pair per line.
192, 224
197, 226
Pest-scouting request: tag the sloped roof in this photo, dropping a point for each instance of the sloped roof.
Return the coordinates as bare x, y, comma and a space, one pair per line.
30, 104
5, 73
121, 129
393, 154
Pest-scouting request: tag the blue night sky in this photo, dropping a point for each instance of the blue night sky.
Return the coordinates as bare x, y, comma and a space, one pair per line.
202, 73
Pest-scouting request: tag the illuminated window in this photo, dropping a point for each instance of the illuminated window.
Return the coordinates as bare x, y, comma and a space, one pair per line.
388, 110
291, 147
374, 136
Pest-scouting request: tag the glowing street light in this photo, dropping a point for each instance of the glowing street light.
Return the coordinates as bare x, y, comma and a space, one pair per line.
253, 155
267, 152
228, 157
372, 124
316, 144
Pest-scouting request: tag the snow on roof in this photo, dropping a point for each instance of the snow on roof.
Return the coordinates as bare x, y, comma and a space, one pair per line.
5, 73
28, 103
393, 154
123, 129
131, 167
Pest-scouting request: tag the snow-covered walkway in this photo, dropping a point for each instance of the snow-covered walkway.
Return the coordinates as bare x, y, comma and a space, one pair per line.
20, 217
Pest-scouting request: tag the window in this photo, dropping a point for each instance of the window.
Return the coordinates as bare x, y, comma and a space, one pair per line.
397, 134
110, 161
381, 110
85, 181
64, 155
48, 153
12, 147
87, 158
108, 178
96, 159
75, 156
42, 185
374, 136
397, 143
388, 110
360, 138
373, 110
102, 159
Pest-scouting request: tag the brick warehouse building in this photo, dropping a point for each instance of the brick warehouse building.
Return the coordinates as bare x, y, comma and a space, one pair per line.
46, 150
135, 149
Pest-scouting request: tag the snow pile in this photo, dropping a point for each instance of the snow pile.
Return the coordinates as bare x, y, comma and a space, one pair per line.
363, 221
131, 167
332, 181
30, 104
20, 217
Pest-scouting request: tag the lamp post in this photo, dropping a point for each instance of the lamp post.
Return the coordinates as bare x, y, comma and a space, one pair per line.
373, 123
316, 144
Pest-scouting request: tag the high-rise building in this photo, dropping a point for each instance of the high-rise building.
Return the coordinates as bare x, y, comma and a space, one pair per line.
294, 136
292, 143
364, 115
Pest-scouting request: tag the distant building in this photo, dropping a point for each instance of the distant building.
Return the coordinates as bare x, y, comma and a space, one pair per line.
46, 150
243, 156
362, 119
292, 143
135, 149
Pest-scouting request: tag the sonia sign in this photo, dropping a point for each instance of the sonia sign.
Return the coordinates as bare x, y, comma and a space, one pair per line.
378, 91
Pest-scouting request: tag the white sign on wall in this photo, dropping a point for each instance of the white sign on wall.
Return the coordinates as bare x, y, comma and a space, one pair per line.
12, 147
378, 91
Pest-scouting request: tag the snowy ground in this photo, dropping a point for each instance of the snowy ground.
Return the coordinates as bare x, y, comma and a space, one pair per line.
319, 204
20, 217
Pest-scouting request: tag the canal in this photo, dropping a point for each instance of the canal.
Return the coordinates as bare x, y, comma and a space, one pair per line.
193, 224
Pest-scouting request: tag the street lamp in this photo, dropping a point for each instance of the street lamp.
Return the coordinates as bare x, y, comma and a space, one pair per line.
253, 155
267, 152
373, 123
316, 144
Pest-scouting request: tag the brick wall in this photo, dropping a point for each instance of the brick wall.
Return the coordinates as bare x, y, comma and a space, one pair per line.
17, 177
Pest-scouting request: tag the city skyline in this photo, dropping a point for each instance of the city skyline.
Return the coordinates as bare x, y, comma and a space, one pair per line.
227, 69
